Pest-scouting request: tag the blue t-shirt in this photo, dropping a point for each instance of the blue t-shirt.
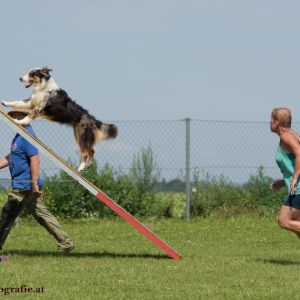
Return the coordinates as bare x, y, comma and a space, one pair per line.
19, 162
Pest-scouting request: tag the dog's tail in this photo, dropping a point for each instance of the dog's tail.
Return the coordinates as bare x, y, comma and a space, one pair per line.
110, 131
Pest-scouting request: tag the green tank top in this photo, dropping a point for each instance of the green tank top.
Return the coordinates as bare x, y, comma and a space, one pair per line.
286, 163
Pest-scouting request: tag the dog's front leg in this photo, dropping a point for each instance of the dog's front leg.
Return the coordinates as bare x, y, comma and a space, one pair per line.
24, 104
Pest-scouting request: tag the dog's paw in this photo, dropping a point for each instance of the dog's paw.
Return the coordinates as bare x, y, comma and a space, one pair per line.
17, 121
81, 167
22, 122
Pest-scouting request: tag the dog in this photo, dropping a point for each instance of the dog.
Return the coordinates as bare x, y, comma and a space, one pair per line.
53, 103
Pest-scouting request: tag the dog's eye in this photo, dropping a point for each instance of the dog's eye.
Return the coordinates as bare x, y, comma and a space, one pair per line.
35, 73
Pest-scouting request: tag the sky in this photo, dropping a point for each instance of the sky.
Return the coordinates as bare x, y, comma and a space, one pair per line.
158, 60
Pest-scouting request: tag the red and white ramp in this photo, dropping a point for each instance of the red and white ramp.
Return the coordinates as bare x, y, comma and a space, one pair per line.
90, 187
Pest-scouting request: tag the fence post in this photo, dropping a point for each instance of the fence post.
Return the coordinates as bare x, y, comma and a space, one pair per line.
187, 167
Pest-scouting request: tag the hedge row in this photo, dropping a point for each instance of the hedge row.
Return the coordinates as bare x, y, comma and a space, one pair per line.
140, 197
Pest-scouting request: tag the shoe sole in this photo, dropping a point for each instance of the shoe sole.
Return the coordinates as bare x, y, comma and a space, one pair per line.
68, 250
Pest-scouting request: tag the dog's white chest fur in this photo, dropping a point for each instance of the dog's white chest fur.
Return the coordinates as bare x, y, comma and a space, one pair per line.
39, 99
41, 95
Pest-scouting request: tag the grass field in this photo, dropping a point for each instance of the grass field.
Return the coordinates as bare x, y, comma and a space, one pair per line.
234, 258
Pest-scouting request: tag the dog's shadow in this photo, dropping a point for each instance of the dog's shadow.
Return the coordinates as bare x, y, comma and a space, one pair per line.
278, 262
104, 254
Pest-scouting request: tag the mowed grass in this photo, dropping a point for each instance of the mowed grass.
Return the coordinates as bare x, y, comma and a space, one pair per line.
233, 258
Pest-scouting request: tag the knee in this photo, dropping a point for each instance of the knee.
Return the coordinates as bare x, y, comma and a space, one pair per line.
40, 214
283, 222
37, 214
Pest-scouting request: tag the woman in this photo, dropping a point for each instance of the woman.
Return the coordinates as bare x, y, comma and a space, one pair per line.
288, 160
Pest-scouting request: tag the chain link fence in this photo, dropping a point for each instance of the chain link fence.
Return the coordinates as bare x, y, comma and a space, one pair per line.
232, 149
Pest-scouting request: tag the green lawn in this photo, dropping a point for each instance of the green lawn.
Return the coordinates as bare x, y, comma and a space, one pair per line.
236, 258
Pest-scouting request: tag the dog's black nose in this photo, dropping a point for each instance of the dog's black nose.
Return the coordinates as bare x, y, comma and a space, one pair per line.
20, 78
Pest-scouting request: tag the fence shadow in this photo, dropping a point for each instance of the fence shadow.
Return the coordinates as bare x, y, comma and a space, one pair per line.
281, 262
38, 253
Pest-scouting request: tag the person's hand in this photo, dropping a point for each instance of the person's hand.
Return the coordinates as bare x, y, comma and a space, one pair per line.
275, 185
294, 185
36, 190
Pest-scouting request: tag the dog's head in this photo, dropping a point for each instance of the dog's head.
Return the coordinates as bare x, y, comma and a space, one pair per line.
36, 77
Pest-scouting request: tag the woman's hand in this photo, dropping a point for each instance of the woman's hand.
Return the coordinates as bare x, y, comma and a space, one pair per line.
294, 185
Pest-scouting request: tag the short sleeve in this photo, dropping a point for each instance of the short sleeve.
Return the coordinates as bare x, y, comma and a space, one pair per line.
29, 149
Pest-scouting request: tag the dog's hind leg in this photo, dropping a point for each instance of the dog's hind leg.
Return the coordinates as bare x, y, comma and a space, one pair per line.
84, 156
91, 157
85, 138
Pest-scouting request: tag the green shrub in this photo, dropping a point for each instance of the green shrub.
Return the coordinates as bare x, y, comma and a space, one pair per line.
135, 192
219, 195
265, 200
169, 205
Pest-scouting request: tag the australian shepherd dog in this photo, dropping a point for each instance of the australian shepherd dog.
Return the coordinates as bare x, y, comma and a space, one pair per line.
52, 103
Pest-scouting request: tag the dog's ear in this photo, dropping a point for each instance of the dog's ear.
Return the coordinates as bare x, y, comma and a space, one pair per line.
45, 71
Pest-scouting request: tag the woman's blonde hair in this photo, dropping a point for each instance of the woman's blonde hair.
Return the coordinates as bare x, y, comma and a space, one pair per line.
283, 115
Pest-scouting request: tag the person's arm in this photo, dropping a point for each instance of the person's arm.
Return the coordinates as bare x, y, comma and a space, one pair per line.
34, 168
4, 162
292, 144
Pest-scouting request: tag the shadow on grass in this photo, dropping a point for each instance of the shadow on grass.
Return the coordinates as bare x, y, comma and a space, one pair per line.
282, 262
37, 253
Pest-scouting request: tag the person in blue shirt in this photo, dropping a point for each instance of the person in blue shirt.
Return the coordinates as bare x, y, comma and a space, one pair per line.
23, 163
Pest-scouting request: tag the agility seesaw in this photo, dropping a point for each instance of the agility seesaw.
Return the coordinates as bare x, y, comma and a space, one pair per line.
90, 187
